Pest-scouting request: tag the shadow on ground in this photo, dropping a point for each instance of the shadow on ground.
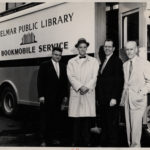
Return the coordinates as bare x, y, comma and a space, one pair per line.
23, 130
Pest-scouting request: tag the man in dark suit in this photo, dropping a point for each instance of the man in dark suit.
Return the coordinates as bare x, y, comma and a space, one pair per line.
52, 90
108, 93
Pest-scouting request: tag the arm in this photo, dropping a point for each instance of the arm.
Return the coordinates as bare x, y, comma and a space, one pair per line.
65, 83
40, 83
97, 88
92, 82
118, 82
72, 77
146, 88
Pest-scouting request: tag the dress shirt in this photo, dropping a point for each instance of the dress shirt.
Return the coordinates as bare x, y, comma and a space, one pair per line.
56, 66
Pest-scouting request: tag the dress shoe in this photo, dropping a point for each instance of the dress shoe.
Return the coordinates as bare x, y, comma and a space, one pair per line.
43, 144
54, 143
96, 130
85, 145
74, 145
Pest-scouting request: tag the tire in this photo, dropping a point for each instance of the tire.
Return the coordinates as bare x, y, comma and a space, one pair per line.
9, 101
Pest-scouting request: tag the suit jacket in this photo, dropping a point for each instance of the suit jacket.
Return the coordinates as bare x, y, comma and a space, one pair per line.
110, 82
138, 85
50, 86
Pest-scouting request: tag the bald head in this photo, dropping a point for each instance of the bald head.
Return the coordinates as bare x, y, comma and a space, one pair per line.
131, 49
131, 44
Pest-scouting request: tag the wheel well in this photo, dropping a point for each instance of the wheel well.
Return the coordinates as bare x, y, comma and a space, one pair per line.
5, 84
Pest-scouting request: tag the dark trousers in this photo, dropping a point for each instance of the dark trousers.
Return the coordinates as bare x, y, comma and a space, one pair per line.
109, 117
50, 123
42, 122
81, 131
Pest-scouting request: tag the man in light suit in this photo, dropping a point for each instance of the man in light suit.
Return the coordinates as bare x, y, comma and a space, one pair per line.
108, 93
52, 89
136, 87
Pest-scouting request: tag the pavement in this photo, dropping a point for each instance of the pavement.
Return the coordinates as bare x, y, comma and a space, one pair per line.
23, 130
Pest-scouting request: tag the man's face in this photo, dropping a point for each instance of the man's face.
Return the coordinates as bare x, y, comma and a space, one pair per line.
131, 50
108, 48
82, 48
56, 55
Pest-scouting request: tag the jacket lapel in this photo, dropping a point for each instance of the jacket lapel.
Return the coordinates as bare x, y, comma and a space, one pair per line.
54, 69
127, 71
107, 64
60, 70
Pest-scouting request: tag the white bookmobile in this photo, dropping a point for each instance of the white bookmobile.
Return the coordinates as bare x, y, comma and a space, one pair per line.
28, 36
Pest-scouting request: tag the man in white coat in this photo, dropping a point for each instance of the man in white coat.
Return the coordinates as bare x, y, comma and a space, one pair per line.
136, 87
82, 73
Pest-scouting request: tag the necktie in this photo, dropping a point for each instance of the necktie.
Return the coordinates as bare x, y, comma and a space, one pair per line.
57, 68
82, 57
130, 69
104, 64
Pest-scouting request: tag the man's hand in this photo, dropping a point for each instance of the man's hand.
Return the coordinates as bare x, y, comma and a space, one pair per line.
42, 100
65, 100
83, 90
113, 102
143, 92
64, 105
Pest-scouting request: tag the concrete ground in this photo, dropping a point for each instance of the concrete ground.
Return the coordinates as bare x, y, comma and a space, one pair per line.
23, 130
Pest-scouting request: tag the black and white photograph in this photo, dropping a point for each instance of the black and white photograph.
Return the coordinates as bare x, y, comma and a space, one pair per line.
75, 74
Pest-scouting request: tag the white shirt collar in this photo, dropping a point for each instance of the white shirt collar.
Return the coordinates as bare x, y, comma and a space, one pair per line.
56, 67
133, 59
108, 57
54, 62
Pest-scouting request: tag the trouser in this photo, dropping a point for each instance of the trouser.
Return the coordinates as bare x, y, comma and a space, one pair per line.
109, 117
81, 129
42, 122
134, 125
50, 123
52, 126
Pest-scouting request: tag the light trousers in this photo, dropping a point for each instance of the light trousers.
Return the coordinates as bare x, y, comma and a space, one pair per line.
134, 124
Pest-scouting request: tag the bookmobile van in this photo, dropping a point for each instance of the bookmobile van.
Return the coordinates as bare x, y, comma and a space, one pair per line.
28, 36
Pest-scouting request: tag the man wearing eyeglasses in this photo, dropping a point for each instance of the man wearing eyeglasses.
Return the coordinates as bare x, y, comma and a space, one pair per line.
108, 93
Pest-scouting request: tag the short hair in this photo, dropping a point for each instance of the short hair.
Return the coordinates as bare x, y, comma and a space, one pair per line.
134, 42
110, 40
57, 49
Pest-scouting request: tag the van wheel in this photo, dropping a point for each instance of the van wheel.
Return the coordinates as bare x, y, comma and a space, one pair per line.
9, 101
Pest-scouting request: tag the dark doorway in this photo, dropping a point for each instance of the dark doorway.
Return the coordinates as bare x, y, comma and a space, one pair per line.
112, 26
131, 26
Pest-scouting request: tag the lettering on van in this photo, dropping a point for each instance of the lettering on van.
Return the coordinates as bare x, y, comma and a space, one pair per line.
28, 27
53, 21
34, 49
6, 32
57, 20
18, 51
49, 47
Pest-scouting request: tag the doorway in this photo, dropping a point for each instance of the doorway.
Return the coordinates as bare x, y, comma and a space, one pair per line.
112, 25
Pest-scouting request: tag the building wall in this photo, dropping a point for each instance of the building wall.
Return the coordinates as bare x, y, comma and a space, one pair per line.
130, 7
2, 7
100, 26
